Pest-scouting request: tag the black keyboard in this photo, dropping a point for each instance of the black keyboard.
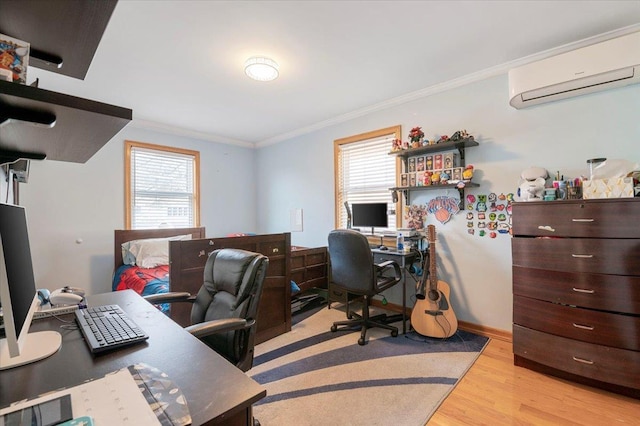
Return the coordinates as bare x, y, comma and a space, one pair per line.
108, 327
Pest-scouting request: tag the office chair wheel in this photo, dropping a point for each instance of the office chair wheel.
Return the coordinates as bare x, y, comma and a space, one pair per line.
394, 333
361, 341
334, 328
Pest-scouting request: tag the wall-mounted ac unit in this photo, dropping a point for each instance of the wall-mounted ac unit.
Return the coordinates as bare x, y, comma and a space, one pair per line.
601, 66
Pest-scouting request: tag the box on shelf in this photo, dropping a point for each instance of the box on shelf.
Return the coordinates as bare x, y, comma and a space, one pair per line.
14, 59
608, 188
449, 160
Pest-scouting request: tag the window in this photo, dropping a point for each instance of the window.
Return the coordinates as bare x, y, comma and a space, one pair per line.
162, 186
364, 172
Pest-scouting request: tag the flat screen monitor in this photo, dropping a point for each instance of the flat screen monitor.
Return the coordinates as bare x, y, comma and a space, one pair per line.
18, 294
370, 215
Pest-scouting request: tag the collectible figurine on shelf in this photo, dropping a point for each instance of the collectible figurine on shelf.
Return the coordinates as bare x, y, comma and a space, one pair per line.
396, 145
416, 135
427, 178
460, 135
467, 173
444, 177
443, 138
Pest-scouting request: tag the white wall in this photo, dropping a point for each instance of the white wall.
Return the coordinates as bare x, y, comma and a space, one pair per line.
558, 136
68, 202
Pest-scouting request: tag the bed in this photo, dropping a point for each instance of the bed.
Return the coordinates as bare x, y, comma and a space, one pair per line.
186, 267
150, 278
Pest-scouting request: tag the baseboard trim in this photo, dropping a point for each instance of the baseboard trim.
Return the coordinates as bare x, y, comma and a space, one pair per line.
493, 333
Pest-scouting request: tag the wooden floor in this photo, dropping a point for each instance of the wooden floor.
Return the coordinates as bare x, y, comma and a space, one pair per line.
495, 392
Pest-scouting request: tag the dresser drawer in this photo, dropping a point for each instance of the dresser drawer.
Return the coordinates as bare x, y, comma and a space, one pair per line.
604, 328
603, 363
617, 293
578, 218
605, 256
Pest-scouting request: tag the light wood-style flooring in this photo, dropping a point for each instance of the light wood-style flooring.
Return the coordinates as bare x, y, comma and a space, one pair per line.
495, 392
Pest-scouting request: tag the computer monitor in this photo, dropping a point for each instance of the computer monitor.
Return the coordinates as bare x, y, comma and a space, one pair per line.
18, 295
370, 215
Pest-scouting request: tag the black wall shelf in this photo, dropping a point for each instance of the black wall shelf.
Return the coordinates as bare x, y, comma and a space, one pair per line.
63, 34
459, 145
80, 129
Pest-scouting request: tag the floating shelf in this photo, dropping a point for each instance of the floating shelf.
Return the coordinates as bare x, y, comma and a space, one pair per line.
37, 123
459, 145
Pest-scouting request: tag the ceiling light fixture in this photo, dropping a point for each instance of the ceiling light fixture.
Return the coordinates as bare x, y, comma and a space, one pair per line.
261, 68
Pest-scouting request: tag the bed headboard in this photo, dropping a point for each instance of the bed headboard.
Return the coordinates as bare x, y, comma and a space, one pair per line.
121, 236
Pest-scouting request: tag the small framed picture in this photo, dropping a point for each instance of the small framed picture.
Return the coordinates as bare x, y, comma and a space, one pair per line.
412, 179
404, 179
420, 164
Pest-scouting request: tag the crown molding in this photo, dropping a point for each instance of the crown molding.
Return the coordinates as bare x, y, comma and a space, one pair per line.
451, 84
181, 131
399, 100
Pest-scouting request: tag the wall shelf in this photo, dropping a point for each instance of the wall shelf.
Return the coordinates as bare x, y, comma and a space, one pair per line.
440, 147
459, 146
37, 123
63, 35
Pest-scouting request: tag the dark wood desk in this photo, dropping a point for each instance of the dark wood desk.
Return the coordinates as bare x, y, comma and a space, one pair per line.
404, 259
216, 391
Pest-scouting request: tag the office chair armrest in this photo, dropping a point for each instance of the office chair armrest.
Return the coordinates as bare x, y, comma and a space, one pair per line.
382, 267
208, 328
176, 296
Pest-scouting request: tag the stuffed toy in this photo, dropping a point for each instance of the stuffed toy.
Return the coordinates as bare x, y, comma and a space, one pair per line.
532, 184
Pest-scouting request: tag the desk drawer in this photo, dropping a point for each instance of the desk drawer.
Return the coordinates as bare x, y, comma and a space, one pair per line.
617, 293
604, 328
603, 363
605, 256
578, 218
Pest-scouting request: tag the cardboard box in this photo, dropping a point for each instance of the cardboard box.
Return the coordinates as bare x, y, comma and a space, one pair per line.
608, 188
14, 59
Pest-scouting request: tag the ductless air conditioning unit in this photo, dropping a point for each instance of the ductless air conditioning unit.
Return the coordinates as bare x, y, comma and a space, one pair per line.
602, 66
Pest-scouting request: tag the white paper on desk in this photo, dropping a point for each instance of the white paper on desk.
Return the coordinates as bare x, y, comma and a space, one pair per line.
113, 400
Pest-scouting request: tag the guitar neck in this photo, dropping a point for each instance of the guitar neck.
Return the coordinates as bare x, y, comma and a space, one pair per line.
433, 275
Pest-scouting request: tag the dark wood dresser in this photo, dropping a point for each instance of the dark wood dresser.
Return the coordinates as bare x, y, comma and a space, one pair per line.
576, 291
309, 267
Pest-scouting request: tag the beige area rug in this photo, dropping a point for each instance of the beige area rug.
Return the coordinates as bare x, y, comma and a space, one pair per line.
315, 377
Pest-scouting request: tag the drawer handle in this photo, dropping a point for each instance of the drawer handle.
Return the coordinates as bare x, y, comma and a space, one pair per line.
546, 228
582, 256
583, 327
582, 360
583, 290
275, 250
583, 220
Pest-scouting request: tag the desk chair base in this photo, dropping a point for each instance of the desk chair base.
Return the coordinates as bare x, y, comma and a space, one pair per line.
365, 322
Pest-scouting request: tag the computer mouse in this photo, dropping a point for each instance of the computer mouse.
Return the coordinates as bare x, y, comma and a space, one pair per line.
383, 248
59, 297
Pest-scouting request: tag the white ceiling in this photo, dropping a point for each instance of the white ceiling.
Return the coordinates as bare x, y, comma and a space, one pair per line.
179, 64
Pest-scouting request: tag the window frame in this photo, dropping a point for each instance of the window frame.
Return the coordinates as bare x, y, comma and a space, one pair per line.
128, 192
394, 132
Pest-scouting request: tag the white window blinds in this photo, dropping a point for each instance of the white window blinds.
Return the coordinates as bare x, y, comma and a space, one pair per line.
365, 173
163, 188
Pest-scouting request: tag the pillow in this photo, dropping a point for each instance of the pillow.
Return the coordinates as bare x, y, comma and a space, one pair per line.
150, 252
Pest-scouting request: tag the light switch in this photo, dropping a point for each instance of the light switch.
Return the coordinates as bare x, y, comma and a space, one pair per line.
296, 220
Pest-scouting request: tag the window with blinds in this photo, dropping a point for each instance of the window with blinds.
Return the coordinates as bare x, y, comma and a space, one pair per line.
161, 186
364, 173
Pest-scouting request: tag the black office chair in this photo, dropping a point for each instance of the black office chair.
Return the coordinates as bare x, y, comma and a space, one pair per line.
225, 309
353, 271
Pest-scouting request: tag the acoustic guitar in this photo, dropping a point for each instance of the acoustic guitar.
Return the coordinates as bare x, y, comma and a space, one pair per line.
432, 314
